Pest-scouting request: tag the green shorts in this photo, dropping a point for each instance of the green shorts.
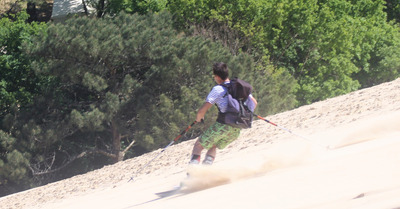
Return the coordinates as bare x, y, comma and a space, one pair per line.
220, 135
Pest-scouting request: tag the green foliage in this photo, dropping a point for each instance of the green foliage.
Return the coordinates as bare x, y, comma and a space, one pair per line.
328, 46
97, 64
113, 7
129, 75
18, 84
393, 10
104, 7
13, 164
382, 52
145, 6
18, 87
93, 80
274, 89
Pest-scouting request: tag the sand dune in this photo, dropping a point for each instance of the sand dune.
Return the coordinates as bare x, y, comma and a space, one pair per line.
349, 158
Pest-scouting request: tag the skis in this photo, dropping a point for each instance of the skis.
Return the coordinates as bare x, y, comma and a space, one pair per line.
171, 192
176, 190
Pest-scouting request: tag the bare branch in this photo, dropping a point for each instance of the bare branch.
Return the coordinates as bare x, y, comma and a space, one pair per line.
129, 146
36, 172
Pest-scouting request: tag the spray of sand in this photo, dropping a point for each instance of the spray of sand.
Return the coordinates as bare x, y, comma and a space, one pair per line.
289, 153
279, 156
369, 129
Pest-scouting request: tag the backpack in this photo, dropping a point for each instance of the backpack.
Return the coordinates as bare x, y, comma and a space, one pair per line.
237, 114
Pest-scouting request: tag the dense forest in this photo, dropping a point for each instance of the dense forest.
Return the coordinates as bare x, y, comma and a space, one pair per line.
125, 79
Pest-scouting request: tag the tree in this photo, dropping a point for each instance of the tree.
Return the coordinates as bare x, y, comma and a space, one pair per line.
326, 45
113, 88
393, 10
88, 57
127, 75
113, 7
105, 7
13, 165
18, 86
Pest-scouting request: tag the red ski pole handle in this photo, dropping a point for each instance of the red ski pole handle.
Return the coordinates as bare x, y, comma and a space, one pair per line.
184, 131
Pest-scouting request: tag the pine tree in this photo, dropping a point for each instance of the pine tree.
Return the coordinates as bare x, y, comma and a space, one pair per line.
117, 87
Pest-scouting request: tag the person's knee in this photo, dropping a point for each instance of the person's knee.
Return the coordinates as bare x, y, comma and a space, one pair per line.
198, 144
197, 148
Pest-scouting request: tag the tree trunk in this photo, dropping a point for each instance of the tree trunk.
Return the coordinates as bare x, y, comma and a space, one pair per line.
116, 142
85, 8
100, 9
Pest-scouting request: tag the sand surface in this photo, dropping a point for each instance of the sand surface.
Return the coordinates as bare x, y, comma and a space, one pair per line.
343, 152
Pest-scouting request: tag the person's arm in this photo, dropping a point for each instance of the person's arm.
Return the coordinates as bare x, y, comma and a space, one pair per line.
254, 101
202, 111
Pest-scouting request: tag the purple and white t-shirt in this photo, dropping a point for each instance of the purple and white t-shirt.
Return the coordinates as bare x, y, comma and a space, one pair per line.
216, 96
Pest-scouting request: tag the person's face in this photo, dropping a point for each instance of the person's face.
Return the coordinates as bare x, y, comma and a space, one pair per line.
217, 79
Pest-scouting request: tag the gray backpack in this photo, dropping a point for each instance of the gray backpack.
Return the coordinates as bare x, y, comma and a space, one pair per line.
237, 114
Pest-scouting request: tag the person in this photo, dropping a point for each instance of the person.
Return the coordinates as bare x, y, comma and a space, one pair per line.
217, 135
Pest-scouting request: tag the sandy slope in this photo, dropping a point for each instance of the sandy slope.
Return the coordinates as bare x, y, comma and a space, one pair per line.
265, 168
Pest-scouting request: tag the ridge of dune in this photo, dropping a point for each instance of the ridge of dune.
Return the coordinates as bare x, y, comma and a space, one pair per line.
352, 119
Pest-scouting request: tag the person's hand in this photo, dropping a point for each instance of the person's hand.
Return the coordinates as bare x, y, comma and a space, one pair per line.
199, 119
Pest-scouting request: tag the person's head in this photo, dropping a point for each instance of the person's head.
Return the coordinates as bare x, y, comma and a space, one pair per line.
220, 69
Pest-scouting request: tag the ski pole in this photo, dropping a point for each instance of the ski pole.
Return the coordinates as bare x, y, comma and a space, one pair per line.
289, 131
171, 143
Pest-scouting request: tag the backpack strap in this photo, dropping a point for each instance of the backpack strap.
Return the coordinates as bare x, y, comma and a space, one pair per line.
226, 85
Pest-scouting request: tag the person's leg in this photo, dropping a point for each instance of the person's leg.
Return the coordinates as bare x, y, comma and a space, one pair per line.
210, 156
205, 141
212, 151
196, 153
197, 148
216, 136
222, 138
229, 135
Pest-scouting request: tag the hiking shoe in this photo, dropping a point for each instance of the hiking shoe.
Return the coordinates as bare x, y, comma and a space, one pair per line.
194, 162
208, 160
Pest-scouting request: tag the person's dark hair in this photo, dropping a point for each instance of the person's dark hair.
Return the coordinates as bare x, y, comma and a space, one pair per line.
221, 69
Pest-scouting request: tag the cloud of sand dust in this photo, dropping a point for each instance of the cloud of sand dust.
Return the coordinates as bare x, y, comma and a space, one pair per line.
279, 156
290, 152
369, 129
